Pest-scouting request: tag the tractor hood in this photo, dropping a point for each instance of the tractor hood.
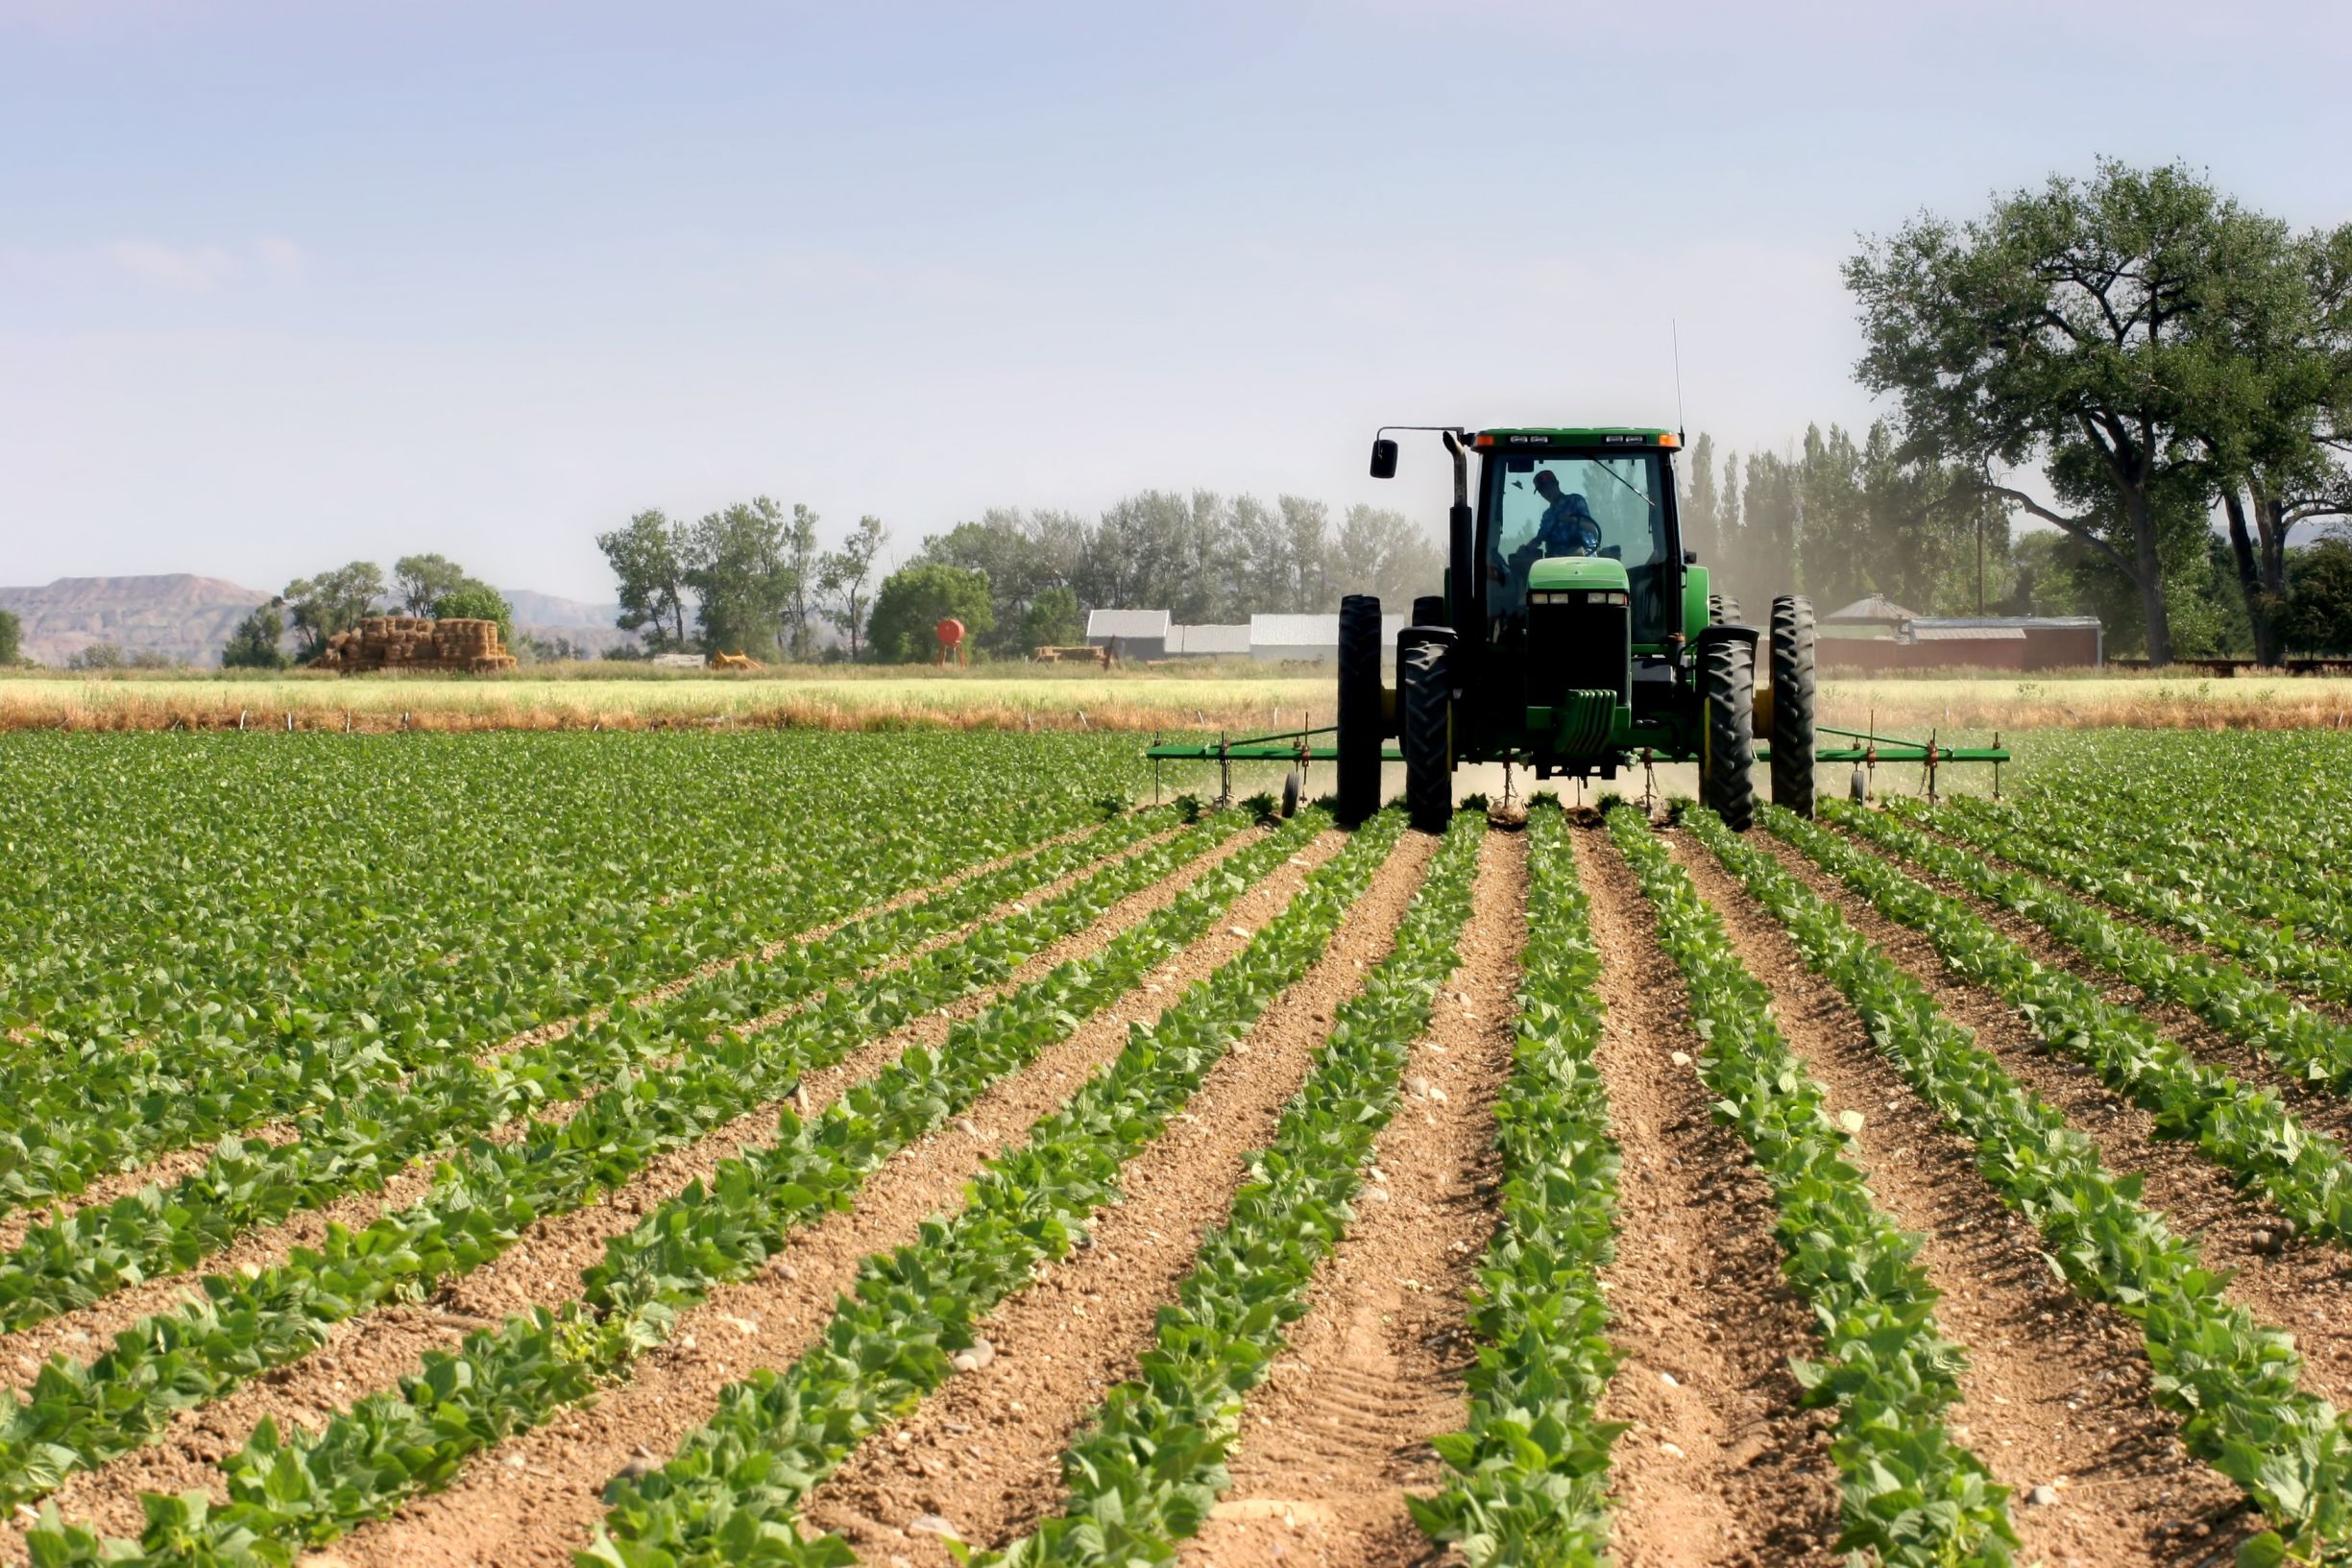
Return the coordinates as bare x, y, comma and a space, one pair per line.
1592, 572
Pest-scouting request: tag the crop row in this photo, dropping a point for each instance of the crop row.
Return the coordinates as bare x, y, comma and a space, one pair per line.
1910, 1493
2231, 1382
2224, 993
1143, 1472
357, 1143
730, 1492
2244, 1129
119, 1056
481, 1203
2206, 889
286, 1490
1530, 1474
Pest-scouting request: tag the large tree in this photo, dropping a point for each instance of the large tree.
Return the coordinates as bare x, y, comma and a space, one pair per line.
418, 579
913, 600
801, 557
254, 645
12, 638
333, 601
740, 567
2066, 328
2277, 447
650, 557
842, 577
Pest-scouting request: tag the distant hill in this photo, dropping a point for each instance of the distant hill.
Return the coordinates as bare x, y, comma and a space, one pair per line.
189, 618
180, 615
587, 626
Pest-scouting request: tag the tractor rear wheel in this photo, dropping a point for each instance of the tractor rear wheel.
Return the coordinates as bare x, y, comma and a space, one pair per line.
1424, 705
1792, 703
1360, 701
1727, 760
1724, 608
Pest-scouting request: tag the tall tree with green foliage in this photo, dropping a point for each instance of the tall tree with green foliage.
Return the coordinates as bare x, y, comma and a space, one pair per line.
253, 643
739, 568
333, 601
12, 638
801, 557
843, 576
2277, 450
1052, 620
418, 579
2067, 329
472, 599
913, 601
2316, 615
650, 559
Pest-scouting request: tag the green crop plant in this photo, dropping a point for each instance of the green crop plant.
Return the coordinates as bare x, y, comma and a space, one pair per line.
1912, 1494
2230, 1381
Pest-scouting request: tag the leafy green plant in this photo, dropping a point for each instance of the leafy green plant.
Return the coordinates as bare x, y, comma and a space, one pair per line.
1910, 1493
1530, 1475
1140, 1475
2232, 1382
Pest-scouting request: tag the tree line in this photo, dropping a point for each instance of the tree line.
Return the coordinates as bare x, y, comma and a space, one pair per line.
751, 578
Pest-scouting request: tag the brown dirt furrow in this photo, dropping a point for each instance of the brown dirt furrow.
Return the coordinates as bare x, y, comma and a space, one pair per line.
1722, 1463
983, 1451
1338, 1432
2056, 1389
539, 1496
374, 1350
82, 1334
2320, 1107
2285, 1283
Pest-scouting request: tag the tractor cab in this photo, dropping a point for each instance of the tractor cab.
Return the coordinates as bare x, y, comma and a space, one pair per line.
1577, 586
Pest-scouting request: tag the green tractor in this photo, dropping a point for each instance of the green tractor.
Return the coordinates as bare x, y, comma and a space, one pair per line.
1575, 637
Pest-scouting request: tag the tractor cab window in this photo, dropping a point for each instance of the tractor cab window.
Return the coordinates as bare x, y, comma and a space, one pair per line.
1542, 507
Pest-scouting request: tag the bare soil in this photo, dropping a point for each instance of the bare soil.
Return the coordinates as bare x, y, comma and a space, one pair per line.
1722, 1463
1336, 1435
983, 1451
2285, 1282
2056, 1389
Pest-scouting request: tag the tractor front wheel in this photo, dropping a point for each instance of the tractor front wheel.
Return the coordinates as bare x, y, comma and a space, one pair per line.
1727, 760
1425, 706
1792, 703
1361, 704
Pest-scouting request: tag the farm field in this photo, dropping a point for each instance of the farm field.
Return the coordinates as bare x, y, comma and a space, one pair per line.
780, 1147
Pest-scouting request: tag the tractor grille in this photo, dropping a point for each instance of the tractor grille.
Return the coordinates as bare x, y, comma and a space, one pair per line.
1575, 643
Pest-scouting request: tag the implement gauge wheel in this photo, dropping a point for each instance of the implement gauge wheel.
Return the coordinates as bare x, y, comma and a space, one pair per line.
1792, 703
1425, 712
1727, 760
1361, 704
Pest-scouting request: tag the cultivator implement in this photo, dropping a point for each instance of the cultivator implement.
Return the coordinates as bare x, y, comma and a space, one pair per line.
1302, 747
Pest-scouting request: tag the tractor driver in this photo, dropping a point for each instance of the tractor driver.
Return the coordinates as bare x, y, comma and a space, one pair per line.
1567, 528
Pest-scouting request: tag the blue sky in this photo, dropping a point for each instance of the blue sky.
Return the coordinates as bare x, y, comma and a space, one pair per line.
285, 284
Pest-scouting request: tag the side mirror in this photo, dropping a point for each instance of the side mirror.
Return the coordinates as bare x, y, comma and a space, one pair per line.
1384, 459
1690, 558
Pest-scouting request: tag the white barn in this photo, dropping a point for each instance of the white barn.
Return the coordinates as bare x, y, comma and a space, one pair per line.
1140, 634
1275, 639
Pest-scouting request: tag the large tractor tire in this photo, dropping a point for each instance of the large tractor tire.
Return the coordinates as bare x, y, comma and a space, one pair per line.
1362, 706
1723, 610
1425, 712
1792, 703
1726, 758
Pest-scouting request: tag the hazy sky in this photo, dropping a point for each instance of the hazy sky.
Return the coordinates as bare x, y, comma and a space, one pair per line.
282, 284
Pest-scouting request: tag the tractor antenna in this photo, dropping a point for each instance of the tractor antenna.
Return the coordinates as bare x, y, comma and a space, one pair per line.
1682, 426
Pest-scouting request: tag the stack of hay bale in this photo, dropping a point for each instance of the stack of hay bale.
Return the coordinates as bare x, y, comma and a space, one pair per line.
417, 643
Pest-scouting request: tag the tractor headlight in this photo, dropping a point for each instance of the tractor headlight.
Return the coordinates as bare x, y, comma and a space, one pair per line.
1577, 596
